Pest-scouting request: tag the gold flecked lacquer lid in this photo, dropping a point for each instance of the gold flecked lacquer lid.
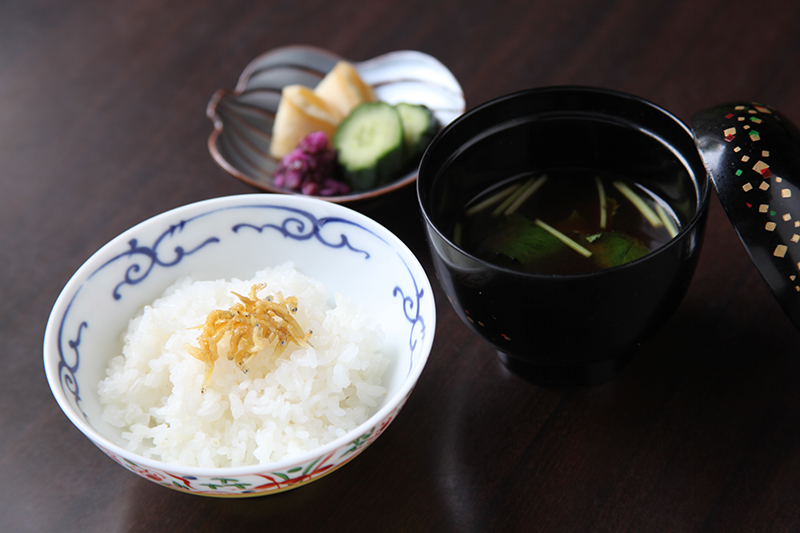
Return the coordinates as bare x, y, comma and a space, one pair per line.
752, 154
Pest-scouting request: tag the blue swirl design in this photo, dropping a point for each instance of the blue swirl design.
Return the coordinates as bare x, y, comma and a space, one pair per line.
411, 310
301, 230
299, 225
66, 371
152, 254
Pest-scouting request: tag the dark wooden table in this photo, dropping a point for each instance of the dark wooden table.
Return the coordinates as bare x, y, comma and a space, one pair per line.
102, 124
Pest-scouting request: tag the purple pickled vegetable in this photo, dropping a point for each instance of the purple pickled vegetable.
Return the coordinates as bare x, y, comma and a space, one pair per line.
314, 142
311, 168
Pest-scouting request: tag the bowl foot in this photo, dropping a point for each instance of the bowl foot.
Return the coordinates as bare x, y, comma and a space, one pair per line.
556, 376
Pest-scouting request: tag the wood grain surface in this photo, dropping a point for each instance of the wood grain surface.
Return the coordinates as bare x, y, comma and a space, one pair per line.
102, 125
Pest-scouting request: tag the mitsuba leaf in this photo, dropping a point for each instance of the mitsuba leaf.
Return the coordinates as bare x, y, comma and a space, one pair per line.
613, 248
520, 239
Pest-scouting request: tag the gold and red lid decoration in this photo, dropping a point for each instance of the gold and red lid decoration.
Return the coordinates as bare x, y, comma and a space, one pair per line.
752, 154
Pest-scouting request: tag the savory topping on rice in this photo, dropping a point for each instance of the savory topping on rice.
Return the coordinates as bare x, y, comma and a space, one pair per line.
252, 325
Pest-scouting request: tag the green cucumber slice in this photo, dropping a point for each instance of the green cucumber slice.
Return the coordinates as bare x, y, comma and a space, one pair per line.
419, 128
369, 145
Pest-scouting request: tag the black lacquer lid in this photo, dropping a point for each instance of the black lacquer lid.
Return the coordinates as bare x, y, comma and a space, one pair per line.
752, 154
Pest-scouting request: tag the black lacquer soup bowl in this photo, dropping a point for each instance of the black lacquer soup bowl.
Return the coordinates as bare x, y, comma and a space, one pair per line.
550, 328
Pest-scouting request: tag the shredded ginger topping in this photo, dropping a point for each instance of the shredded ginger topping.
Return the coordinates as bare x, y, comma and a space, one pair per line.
251, 325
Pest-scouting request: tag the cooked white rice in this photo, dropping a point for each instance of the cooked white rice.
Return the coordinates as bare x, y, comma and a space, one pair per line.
304, 399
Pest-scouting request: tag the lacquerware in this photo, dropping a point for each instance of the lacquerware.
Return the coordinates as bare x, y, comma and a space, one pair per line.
752, 153
565, 329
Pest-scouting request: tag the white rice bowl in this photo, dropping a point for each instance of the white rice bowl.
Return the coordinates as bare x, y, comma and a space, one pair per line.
232, 238
282, 407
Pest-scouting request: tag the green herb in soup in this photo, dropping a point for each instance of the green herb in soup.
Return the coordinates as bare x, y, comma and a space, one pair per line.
566, 221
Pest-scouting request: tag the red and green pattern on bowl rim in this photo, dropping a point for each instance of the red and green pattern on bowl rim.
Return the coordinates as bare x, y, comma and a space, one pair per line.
250, 485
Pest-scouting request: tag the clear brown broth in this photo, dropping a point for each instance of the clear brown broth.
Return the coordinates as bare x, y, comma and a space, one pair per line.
569, 200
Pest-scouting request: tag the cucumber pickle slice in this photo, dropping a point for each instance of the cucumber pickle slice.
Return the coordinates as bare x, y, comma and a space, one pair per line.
369, 144
419, 128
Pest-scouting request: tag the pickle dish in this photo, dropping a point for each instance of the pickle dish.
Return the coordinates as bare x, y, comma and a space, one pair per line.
244, 117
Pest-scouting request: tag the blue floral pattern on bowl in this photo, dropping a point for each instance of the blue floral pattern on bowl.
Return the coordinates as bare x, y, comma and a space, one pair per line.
225, 238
